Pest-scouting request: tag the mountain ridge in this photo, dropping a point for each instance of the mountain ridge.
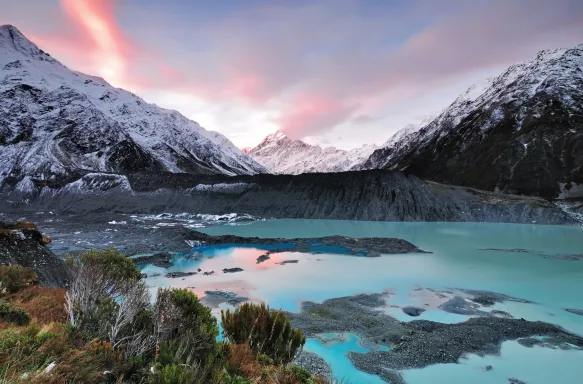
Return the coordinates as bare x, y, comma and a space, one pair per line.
54, 121
520, 132
282, 155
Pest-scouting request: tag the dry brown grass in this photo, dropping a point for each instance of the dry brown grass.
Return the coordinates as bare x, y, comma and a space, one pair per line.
242, 361
44, 304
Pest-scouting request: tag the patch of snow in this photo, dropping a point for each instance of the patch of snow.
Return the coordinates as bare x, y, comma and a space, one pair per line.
26, 185
222, 187
113, 222
574, 191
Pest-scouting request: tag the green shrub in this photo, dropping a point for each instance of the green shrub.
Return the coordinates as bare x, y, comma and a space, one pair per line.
263, 359
188, 333
176, 374
228, 379
10, 314
111, 261
14, 278
103, 282
265, 331
301, 374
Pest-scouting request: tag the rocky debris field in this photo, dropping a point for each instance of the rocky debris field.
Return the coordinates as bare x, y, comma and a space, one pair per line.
419, 343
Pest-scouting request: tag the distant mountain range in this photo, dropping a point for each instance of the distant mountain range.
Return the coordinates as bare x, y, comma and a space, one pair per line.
55, 122
280, 154
520, 132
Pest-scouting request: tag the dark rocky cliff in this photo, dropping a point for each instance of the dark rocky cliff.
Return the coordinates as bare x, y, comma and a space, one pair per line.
367, 195
521, 134
23, 244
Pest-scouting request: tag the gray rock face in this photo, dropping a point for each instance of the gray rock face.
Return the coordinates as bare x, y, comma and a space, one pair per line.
413, 311
575, 311
25, 247
225, 296
159, 259
367, 195
522, 133
460, 306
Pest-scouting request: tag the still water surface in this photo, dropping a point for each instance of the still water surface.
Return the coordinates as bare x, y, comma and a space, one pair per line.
459, 259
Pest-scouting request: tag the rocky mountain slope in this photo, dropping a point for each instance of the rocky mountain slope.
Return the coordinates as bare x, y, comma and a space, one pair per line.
23, 244
376, 195
282, 155
54, 121
520, 132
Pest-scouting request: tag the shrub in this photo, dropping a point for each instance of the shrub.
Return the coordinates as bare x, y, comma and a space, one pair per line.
242, 362
187, 331
93, 363
105, 295
301, 374
228, 379
110, 261
265, 331
177, 374
14, 278
10, 314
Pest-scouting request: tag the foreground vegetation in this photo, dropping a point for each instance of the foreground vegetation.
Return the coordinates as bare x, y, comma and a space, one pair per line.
105, 329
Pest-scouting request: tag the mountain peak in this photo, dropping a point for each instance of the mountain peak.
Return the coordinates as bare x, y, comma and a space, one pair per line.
105, 129
276, 136
11, 38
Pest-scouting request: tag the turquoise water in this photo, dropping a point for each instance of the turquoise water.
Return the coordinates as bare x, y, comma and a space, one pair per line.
335, 353
457, 261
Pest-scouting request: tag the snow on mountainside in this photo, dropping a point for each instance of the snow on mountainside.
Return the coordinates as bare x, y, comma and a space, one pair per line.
54, 121
520, 132
280, 154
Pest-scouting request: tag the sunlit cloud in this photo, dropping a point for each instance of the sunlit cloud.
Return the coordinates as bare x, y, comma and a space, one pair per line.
96, 19
336, 71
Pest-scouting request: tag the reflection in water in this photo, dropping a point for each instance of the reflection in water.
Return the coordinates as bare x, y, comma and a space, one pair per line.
456, 262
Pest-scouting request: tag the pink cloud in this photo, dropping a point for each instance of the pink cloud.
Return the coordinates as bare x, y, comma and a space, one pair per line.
308, 114
110, 50
322, 63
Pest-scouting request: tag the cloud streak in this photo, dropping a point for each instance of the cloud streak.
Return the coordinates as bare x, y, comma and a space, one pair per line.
109, 48
308, 68
338, 61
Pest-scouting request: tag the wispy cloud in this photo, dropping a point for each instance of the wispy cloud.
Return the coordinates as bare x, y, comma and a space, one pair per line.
307, 68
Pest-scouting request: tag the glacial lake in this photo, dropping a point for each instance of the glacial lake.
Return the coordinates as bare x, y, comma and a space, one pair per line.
524, 261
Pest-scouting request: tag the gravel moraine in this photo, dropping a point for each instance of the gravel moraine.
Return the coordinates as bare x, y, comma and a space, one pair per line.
313, 363
420, 343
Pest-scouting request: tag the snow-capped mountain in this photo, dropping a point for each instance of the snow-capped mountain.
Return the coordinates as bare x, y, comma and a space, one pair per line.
520, 132
280, 154
54, 121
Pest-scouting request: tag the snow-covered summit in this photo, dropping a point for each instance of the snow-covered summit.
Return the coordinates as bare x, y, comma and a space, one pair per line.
12, 39
280, 154
54, 121
525, 121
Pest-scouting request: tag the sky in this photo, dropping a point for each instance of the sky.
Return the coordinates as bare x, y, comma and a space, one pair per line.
331, 72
